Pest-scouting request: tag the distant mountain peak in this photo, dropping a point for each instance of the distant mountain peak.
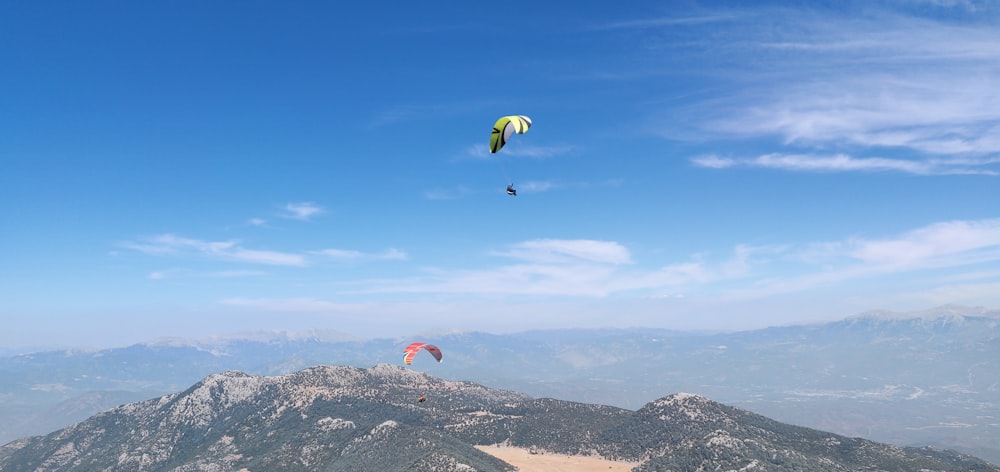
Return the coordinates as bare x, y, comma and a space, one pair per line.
683, 397
684, 407
680, 400
950, 312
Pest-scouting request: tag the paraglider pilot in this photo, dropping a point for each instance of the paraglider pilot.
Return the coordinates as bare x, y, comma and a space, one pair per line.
511, 191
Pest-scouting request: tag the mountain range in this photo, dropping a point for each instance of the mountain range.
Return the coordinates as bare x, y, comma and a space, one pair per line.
928, 378
330, 418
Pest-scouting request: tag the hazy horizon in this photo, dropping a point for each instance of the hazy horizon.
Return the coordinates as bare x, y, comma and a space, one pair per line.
335, 335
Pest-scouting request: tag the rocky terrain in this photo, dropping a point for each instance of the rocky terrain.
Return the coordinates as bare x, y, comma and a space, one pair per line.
346, 418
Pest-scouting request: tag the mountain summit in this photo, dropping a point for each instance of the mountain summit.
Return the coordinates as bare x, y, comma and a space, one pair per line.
345, 418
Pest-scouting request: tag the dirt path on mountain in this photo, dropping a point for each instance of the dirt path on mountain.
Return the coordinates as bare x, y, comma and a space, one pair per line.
528, 462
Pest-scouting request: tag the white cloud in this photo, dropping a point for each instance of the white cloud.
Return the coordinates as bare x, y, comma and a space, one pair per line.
552, 267
169, 244
537, 152
257, 221
663, 22
588, 268
349, 254
187, 273
968, 5
265, 257
563, 250
302, 211
512, 149
846, 163
937, 245
929, 113
931, 253
392, 254
341, 253
838, 162
232, 251
714, 162
228, 274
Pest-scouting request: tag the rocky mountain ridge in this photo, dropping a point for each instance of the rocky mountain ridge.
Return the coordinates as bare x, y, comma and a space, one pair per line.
922, 378
344, 418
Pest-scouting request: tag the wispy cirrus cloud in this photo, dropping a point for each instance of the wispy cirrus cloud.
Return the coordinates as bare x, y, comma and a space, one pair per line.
937, 245
169, 244
665, 21
967, 5
934, 115
232, 251
845, 92
482, 151
944, 247
563, 250
547, 267
846, 163
187, 273
390, 254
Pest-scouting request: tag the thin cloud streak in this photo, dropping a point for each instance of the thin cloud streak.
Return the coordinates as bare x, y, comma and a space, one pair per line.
661, 22
172, 245
390, 254
231, 250
846, 163
187, 273
561, 250
482, 151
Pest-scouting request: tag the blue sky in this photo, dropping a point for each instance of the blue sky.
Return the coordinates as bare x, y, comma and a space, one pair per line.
200, 168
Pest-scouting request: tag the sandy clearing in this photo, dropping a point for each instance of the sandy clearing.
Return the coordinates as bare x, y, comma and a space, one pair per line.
528, 462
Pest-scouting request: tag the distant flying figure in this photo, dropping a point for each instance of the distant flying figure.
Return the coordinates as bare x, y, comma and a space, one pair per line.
511, 191
422, 399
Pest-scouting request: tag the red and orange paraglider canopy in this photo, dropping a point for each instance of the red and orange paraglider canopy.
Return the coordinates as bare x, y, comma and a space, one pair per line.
414, 348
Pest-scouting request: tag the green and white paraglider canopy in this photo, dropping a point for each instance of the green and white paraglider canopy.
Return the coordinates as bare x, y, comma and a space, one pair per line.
505, 127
